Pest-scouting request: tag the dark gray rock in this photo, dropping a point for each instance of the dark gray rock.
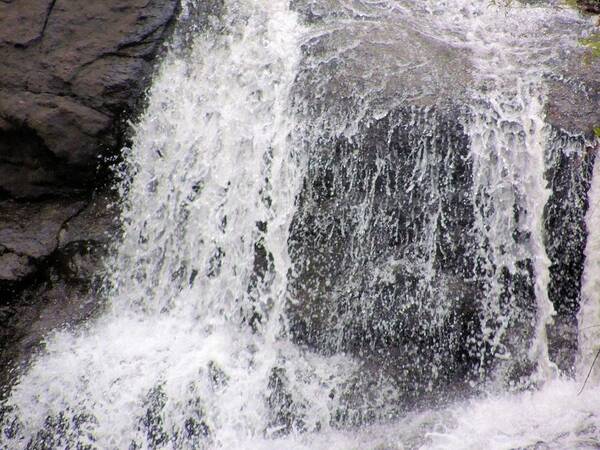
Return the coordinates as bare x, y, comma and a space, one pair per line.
51, 260
382, 251
68, 128
23, 22
361, 276
98, 222
32, 229
109, 80
570, 163
13, 266
574, 94
69, 72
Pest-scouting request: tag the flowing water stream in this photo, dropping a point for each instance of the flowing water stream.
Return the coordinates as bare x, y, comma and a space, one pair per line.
335, 235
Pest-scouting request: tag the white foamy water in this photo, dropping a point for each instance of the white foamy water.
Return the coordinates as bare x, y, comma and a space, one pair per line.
508, 138
193, 350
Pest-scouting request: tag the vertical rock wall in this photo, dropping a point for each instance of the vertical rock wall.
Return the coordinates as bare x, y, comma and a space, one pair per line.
70, 74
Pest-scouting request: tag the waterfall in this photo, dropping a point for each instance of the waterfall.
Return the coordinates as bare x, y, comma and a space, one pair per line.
335, 234
589, 314
197, 283
510, 136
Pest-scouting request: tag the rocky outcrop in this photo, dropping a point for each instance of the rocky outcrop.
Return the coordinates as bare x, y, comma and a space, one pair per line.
50, 259
386, 220
371, 213
573, 110
71, 73
574, 86
569, 162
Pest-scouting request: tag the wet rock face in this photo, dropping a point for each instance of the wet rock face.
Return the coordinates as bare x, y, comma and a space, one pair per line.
570, 162
381, 240
50, 257
574, 94
50, 252
69, 71
387, 258
31, 229
372, 268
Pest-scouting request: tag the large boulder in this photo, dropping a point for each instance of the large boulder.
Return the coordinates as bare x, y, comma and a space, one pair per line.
387, 258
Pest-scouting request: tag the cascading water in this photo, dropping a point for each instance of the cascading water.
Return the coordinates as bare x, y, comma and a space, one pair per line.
589, 315
333, 220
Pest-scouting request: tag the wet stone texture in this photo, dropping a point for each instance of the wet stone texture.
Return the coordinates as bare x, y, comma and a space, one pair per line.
382, 250
369, 278
570, 161
51, 254
71, 73
387, 258
574, 94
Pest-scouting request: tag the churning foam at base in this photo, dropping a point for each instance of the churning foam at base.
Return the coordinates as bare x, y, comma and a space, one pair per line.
553, 417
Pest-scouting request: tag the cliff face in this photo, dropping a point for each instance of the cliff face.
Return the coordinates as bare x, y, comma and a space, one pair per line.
71, 72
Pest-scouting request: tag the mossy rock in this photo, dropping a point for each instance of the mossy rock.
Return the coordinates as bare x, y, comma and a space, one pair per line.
593, 43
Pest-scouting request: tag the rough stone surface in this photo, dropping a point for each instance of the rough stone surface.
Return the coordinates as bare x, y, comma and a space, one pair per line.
574, 94
364, 276
31, 229
570, 161
70, 72
69, 129
48, 269
13, 266
97, 222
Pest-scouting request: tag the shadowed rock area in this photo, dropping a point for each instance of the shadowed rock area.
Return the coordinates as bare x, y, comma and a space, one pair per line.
361, 238
359, 242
